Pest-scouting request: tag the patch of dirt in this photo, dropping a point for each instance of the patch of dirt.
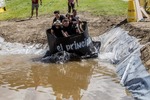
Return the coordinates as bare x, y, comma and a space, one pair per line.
25, 31
34, 30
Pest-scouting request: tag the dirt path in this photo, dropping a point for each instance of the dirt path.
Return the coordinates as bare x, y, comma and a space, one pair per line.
33, 31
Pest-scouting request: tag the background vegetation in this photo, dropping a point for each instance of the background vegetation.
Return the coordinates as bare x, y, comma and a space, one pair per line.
22, 8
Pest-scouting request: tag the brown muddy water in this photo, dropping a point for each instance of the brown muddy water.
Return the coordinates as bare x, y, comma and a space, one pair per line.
21, 78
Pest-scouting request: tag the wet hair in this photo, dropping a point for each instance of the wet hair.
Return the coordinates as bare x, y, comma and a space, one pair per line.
56, 12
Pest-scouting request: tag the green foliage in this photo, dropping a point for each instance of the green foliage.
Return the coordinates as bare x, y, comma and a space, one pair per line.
22, 8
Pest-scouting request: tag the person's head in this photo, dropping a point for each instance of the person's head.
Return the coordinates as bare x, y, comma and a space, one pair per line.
65, 22
57, 23
56, 13
68, 15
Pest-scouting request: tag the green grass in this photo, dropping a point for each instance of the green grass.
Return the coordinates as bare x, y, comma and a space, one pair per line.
22, 8
104, 7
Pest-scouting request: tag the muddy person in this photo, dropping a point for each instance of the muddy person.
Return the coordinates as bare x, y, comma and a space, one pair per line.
76, 20
68, 29
71, 5
56, 29
35, 5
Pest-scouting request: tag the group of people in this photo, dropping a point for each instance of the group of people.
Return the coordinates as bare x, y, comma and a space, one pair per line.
64, 26
35, 5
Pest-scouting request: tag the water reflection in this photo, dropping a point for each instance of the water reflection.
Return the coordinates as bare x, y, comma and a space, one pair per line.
22, 79
66, 80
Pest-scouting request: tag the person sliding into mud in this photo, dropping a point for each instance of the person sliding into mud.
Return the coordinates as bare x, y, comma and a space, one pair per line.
56, 29
71, 5
58, 16
35, 5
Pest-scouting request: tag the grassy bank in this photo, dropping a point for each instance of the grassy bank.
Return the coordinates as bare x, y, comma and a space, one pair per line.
22, 8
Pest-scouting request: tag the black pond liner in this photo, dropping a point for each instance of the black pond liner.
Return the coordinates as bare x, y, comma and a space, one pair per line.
123, 51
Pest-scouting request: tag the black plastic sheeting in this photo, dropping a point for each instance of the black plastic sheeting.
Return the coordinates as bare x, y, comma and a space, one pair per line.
139, 87
135, 77
123, 51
